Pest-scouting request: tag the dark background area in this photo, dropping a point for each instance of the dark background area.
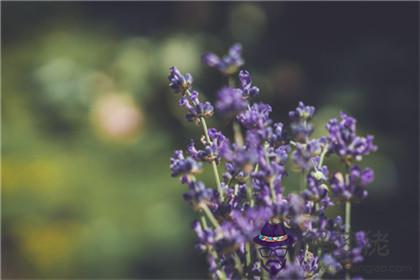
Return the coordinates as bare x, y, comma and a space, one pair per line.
359, 57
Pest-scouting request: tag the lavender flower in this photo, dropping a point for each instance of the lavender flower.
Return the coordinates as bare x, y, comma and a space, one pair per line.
196, 109
212, 150
309, 264
255, 117
183, 166
250, 222
198, 193
240, 163
300, 118
178, 82
354, 186
317, 190
274, 135
253, 191
181, 84
305, 153
344, 141
361, 243
246, 84
235, 199
228, 64
206, 236
230, 101
302, 112
349, 257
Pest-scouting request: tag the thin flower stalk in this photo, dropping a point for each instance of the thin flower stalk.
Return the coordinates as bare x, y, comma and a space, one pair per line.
213, 162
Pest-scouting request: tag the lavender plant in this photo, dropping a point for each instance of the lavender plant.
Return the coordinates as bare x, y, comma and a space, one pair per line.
251, 191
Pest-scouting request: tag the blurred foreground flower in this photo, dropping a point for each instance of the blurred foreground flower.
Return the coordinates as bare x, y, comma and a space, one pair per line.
228, 64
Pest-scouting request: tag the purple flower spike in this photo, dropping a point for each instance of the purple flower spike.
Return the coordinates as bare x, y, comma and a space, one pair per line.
255, 117
205, 236
252, 191
228, 64
211, 151
302, 112
367, 177
243, 226
183, 166
230, 101
354, 188
344, 141
178, 82
305, 154
202, 109
199, 193
189, 99
246, 84
301, 127
309, 263
210, 59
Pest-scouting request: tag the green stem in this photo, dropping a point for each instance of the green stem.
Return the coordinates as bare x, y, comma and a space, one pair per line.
249, 193
347, 227
239, 140
231, 81
220, 273
203, 221
236, 189
248, 254
249, 188
237, 134
238, 264
288, 258
305, 124
213, 162
306, 252
303, 183
264, 274
321, 158
347, 221
273, 193
209, 215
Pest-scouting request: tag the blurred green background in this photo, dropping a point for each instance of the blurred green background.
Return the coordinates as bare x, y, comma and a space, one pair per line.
89, 124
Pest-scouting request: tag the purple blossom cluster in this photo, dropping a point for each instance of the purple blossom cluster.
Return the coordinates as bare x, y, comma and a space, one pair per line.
352, 186
232, 101
344, 141
300, 125
229, 63
251, 190
182, 85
